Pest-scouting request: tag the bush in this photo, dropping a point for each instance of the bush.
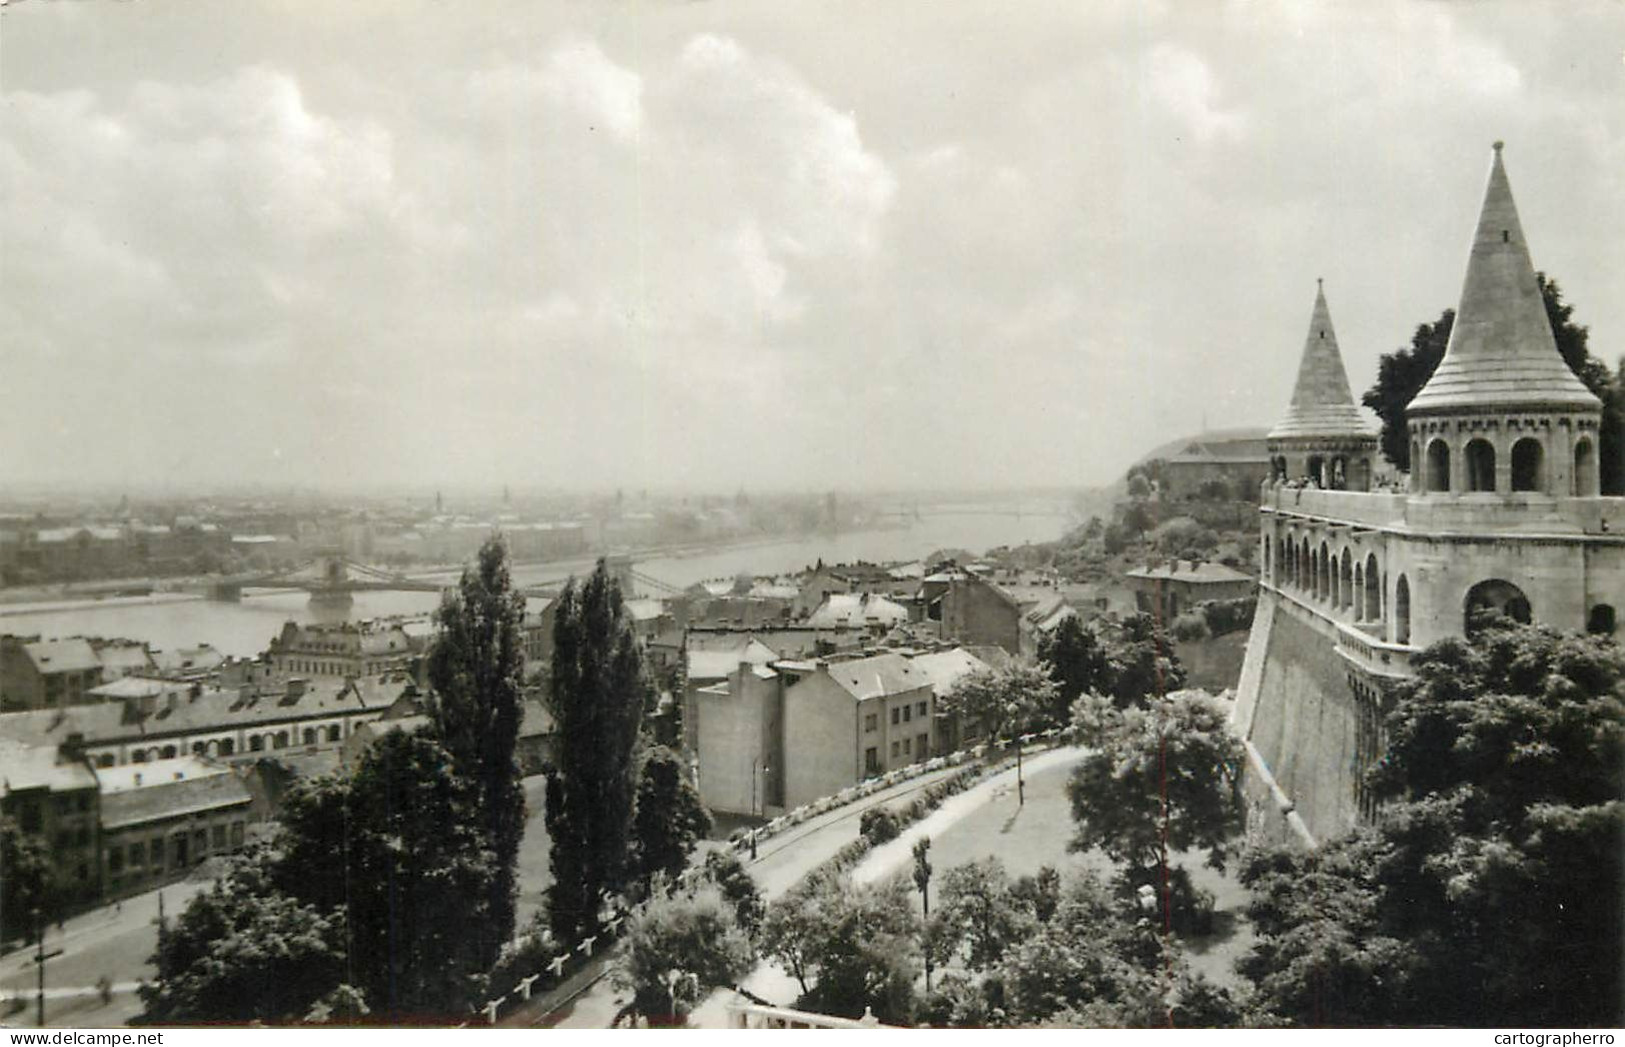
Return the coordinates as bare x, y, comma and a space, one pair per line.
1228, 616
878, 825
1191, 627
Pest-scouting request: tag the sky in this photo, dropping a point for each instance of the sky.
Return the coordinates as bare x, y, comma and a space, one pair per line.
717, 245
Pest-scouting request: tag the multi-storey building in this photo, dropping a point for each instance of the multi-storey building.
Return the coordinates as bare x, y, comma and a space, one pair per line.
1502, 514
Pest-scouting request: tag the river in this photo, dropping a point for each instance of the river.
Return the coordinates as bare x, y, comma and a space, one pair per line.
245, 628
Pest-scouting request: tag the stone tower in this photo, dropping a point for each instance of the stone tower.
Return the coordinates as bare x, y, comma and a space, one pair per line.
1323, 439
1501, 515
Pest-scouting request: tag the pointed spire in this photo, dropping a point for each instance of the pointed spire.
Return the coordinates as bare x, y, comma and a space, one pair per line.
1501, 350
1321, 402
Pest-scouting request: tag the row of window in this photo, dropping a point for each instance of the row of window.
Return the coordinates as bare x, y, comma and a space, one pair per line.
1528, 471
900, 714
332, 733
180, 850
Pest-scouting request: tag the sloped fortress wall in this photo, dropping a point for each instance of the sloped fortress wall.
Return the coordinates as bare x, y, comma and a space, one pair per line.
1300, 721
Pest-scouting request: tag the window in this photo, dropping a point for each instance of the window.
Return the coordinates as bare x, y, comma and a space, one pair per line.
871, 760
169, 752
227, 746
1438, 466
871, 721
1528, 465
115, 861
236, 834
906, 711
919, 710
158, 853
218, 837
256, 743
310, 736
281, 741
896, 747
1480, 460
905, 746
922, 745
333, 733
138, 854
896, 715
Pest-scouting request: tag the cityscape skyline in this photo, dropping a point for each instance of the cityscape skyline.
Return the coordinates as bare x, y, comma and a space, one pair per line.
716, 246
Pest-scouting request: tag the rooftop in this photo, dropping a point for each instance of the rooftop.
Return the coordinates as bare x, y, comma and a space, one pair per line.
1501, 349
1201, 571
177, 795
1321, 402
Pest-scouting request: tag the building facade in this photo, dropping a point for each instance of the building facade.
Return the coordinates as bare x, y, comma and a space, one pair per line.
1501, 515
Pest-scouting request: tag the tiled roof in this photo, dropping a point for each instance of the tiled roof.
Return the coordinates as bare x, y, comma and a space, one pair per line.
25, 766
1501, 349
944, 668
716, 663
1321, 402
174, 798
62, 656
856, 610
877, 676
1206, 571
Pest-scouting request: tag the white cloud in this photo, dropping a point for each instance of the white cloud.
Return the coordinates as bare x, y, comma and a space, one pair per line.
1184, 83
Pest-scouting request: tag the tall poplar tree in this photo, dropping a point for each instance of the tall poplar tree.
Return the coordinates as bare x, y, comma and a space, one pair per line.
597, 700
476, 669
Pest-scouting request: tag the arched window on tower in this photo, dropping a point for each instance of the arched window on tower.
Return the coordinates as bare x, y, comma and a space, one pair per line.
1528, 465
1323, 571
1346, 588
1339, 478
1585, 485
1480, 461
1373, 590
1317, 469
1438, 466
1418, 471
1402, 611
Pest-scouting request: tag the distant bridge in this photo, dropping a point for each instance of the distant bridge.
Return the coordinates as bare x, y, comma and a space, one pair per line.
919, 512
334, 579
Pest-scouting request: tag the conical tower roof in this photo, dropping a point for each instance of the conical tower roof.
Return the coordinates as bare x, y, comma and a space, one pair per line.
1501, 350
1321, 403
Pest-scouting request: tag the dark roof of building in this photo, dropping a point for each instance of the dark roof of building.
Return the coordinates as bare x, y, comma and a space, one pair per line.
175, 798
877, 676
62, 656
1200, 573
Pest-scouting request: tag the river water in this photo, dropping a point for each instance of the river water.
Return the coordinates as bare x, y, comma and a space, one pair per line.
246, 628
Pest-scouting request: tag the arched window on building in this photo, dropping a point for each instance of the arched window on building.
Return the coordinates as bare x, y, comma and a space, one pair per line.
227, 746
200, 748
1373, 590
1402, 611
310, 736
169, 752
280, 741
1479, 458
1528, 465
1338, 480
1438, 466
138, 757
1584, 484
1359, 591
1346, 586
1323, 571
1417, 470
333, 733
104, 760
1494, 596
1317, 470
1600, 621
256, 743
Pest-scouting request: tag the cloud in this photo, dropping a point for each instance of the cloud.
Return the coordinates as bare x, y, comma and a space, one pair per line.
1184, 83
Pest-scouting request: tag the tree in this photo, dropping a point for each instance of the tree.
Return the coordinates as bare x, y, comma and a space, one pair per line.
412, 873
24, 880
678, 948
670, 818
242, 952
1402, 374
1165, 777
1076, 661
597, 700
981, 916
1001, 700
476, 668
739, 890
1142, 663
1489, 891
849, 947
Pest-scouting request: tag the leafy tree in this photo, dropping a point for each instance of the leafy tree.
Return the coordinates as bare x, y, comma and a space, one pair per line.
1040, 894
24, 880
476, 669
979, 913
849, 947
1402, 374
739, 890
1142, 664
670, 818
1489, 891
1139, 487
1077, 662
413, 870
597, 701
1001, 700
1162, 777
678, 948
242, 952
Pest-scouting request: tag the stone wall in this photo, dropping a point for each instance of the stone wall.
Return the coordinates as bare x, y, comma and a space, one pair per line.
1296, 711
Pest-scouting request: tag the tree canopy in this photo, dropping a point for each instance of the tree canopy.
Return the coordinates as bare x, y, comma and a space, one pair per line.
1490, 891
599, 692
670, 819
1162, 776
24, 881
678, 948
475, 668
848, 946
1001, 700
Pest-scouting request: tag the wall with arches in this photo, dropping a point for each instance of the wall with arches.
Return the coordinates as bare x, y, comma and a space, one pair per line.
1547, 454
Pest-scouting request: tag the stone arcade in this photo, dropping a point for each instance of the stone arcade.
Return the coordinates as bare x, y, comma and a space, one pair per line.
1502, 512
